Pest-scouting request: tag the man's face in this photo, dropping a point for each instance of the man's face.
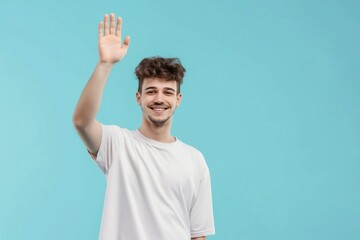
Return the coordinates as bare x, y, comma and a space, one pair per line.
158, 100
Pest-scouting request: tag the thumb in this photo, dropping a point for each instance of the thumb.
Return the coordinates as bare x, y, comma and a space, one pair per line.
127, 42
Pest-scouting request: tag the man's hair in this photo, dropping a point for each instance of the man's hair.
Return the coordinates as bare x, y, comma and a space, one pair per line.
169, 69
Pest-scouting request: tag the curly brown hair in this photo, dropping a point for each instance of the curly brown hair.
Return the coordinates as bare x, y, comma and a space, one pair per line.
170, 69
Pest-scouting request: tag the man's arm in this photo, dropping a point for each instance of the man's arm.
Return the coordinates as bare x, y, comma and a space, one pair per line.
111, 51
199, 238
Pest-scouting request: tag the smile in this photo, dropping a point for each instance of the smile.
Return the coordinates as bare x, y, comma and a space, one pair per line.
158, 109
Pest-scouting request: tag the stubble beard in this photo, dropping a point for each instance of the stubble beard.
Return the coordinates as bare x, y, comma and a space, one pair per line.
159, 122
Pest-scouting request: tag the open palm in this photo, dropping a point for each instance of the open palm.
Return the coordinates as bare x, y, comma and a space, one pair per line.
111, 50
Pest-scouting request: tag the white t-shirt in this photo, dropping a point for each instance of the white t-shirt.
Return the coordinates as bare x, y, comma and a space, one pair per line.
155, 191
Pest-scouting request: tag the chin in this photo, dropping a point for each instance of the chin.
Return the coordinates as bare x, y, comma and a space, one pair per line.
159, 122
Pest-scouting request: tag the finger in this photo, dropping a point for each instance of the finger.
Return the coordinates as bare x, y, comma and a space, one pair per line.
100, 28
112, 24
106, 24
127, 42
118, 27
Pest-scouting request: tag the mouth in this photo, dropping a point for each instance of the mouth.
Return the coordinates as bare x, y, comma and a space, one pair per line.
158, 109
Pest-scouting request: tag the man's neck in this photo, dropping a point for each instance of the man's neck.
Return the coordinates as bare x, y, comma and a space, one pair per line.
157, 133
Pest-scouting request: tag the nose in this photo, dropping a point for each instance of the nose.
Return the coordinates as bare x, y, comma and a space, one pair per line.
159, 98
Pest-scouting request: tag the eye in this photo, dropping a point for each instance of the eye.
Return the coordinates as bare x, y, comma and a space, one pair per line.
168, 93
150, 92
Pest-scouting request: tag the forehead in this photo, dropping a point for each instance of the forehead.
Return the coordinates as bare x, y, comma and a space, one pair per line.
159, 83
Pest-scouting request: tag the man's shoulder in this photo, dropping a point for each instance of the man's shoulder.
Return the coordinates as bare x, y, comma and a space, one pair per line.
197, 158
113, 130
193, 150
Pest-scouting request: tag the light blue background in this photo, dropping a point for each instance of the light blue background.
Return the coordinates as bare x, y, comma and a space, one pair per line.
271, 97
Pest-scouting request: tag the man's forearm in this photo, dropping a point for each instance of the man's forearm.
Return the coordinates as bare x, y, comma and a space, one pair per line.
90, 99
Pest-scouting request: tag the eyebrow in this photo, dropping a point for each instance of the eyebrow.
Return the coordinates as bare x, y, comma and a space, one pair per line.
169, 89
154, 88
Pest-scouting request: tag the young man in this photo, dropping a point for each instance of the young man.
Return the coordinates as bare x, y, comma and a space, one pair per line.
158, 188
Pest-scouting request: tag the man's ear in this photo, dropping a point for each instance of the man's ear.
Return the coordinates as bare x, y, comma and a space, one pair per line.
178, 99
138, 96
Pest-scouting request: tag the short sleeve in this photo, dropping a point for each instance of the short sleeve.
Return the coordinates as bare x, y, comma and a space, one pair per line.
110, 142
201, 214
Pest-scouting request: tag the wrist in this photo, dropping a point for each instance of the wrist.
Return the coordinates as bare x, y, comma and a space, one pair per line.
105, 65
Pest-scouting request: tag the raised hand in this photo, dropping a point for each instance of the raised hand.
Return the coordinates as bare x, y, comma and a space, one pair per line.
111, 50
